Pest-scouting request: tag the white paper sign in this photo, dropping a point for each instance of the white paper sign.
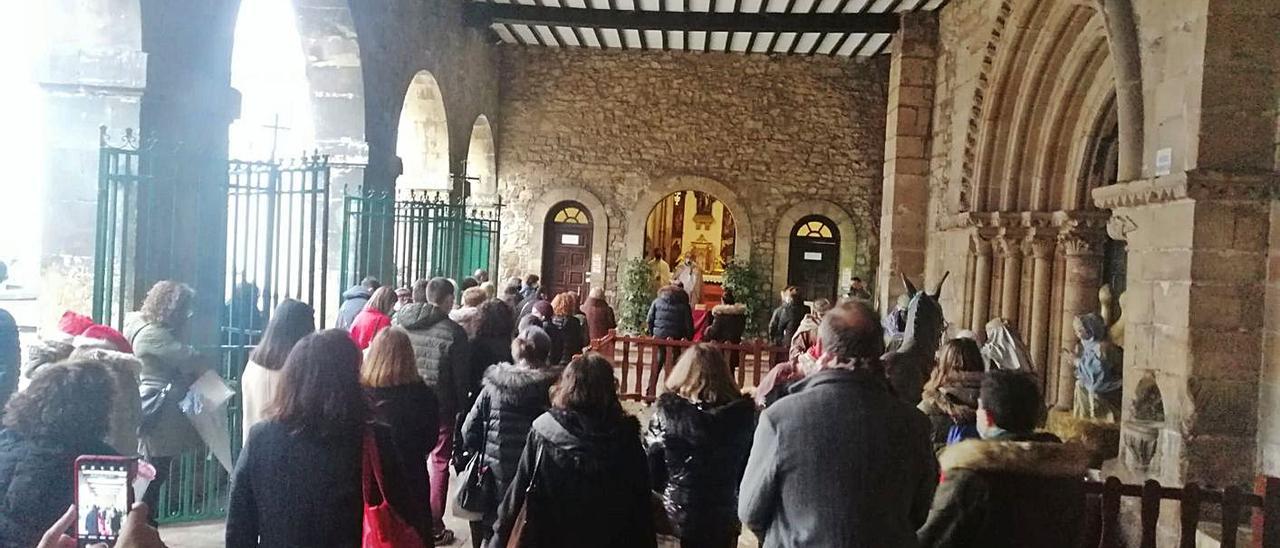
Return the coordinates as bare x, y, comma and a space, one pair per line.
813, 255
570, 239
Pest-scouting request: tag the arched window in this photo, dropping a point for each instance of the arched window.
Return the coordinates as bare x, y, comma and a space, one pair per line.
816, 227
571, 214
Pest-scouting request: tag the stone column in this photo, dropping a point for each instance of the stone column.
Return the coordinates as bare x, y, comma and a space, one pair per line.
1011, 281
93, 73
905, 203
1041, 251
981, 283
1083, 273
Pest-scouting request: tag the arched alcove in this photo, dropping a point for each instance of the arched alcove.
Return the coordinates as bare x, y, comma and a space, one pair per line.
482, 167
422, 136
633, 244
851, 263
692, 224
269, 69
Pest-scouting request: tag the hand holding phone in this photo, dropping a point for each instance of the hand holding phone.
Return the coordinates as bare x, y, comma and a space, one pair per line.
104, 497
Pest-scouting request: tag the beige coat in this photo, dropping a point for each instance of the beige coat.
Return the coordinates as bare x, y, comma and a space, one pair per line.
258, 387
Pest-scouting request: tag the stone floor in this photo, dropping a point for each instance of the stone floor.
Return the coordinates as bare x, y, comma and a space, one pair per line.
210, 534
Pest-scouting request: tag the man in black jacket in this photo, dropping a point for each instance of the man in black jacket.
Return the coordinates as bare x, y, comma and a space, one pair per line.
670, 317
1013, 487
443, 357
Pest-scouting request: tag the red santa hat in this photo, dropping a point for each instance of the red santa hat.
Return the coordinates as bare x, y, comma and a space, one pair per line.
74, 324
103, 336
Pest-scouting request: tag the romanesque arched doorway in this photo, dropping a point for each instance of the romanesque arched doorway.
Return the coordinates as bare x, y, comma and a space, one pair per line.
566, 253
813, 263
696, 226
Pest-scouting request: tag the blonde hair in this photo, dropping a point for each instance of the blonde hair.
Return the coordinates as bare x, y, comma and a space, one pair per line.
702, 375
956, 356
383, 300
390, 361
474, 296
168, 303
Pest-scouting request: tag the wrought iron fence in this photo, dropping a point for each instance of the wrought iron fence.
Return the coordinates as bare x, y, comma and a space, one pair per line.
421, 235
276, 246
120, 172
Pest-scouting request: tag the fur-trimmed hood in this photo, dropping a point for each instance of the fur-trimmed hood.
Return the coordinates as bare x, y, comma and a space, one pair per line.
513, 383
469, 317
729, 310
1037, 458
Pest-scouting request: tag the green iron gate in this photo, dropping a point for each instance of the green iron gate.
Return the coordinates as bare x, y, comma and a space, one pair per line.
276, 248
420, 235
120, 174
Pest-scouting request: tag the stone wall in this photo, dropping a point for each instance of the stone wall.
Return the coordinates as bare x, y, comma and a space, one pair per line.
623, 128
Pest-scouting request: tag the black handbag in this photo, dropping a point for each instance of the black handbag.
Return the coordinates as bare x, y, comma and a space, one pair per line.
475, 495
154, 395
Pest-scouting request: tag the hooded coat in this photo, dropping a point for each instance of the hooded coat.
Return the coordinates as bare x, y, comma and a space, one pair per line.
805, 337
592, 485
728, 322
441, 352
600, 317
1008, 492
841, 463
165, 360
670, 316
952, 404
353, 301
697, 454
469, 318
498, 424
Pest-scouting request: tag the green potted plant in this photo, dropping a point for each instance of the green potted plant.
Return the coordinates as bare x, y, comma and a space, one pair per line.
635, 294
748, 285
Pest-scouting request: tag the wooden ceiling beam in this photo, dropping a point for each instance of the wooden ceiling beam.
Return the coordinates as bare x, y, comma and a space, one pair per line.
485, 14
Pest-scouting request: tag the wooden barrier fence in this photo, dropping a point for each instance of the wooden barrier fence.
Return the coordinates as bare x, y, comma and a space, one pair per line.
1261, 508
635, 357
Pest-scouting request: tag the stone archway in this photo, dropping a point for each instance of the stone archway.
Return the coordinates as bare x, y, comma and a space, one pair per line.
422, 136
599, 230
850, 235
633, 243
481, 160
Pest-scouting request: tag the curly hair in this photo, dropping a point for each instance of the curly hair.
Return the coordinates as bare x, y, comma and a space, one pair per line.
67, 401
565, 304
168, 303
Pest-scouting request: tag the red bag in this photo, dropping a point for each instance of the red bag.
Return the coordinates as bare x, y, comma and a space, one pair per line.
383, 527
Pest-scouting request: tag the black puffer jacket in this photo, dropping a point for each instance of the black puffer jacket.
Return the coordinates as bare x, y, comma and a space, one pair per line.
498, 424
37, 484
728, 322
785, 321
670, 316
592, 489
442, 353
696, 457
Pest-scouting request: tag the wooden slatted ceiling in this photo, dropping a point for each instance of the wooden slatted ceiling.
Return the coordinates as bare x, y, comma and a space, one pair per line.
843, 28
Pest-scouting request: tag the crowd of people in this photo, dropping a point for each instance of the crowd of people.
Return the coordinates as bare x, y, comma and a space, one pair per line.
504, 391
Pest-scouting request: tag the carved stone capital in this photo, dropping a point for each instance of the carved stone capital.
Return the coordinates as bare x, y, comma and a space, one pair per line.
1199, 185
1076, 243
1008, 246
1038, 246
980, 245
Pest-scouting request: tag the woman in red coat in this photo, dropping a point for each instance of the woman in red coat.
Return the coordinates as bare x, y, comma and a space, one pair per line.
375, 317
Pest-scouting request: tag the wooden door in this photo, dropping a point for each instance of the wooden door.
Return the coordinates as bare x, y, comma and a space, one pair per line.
566, 256
813, 265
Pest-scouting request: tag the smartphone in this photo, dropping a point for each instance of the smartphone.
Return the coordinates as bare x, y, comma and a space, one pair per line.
104, 495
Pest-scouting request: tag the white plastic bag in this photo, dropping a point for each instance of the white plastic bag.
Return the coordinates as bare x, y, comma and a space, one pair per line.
206, 407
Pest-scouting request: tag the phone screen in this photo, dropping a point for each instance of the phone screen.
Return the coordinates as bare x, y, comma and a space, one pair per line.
102, 500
